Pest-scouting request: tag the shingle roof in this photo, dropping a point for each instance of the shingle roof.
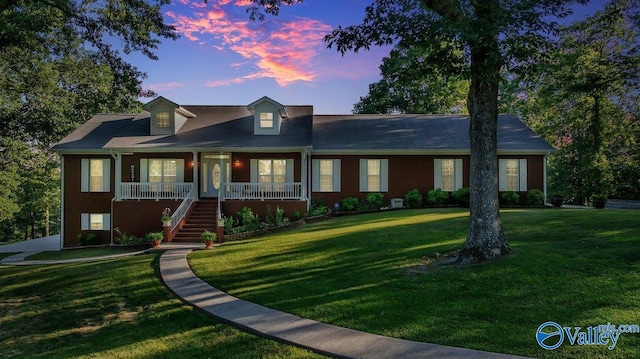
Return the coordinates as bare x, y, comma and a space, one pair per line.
231, 127
214, 127
415, 132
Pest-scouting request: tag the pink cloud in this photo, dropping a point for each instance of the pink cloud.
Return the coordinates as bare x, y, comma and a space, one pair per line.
283, 51
165, 86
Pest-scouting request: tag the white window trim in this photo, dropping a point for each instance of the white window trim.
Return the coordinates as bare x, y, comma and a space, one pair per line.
144, 169
85, 221
384, 175
267, 120
315, 172
288, 171
85, 175
437, 173
522, 175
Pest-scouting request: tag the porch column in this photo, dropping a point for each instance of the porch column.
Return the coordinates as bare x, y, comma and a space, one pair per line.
196, 179
304, 175
118, 177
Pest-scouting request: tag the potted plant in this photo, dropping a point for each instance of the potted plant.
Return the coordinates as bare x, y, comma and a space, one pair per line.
557, 199
208, 238
155, 238
599, 200
166, 217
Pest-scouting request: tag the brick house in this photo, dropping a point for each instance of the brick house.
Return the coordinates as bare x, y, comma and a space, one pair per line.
122, 170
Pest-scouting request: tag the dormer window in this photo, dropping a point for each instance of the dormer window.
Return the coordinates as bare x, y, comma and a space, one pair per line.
166, 117
268, 116
162, 119
266, 119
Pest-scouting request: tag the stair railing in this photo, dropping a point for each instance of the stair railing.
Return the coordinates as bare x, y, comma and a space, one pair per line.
181, 211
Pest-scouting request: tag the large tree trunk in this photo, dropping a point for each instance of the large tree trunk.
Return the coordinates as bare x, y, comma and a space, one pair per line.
485, 238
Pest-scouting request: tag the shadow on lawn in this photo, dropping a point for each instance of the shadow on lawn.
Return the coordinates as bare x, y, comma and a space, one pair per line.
117, 308
575, 267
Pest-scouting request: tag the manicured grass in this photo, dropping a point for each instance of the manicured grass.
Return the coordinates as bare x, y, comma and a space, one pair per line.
80, 253
574, 267
113, 309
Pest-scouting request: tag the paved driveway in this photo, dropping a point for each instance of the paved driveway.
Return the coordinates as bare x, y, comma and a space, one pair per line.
51, 243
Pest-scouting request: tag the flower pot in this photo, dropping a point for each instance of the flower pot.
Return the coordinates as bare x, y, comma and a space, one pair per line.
208, 244
166, 223
156, 243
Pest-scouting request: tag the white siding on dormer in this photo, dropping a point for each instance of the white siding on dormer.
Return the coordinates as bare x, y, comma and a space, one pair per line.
266, 107
179, 122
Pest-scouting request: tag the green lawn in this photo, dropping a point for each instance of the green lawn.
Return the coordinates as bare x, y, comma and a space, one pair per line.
574, 267
113, 309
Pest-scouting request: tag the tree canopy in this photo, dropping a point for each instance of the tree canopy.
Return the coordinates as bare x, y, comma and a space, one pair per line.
494, 36
61, 61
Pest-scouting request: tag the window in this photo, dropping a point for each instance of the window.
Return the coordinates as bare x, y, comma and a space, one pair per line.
512, 175
447, 174
95, 175
374, 175
326, 175
162, 119
266, 119
272, 171
163, 171
95, 221
269, 171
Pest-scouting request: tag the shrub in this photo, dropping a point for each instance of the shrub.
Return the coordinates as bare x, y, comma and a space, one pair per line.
296, 215
374, 200
413, 198
228, 224
126, 239
511, 197
535, 197
461, 196
350, 204
88, 240
437, 197
249, 221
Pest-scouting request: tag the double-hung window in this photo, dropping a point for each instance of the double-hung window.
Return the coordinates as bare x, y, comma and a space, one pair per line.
272, 174
266, 119
163, 170
326, 175
512, 175
447, 174
95, 175
95, 221
161, 173
374, 175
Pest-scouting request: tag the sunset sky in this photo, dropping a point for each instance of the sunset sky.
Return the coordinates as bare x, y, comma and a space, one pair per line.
223, 58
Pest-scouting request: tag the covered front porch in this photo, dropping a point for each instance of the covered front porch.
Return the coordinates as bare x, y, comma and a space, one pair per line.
255, 180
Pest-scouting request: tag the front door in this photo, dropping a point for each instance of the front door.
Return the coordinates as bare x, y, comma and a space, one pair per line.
216, 169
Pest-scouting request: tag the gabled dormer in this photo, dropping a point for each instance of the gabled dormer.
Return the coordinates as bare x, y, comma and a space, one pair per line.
267, 116
167, 117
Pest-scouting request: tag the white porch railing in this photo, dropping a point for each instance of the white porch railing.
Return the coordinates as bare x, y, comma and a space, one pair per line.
260, 191
157, 191
181, 211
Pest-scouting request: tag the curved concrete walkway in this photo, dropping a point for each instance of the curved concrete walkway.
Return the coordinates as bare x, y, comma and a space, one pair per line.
319, 337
